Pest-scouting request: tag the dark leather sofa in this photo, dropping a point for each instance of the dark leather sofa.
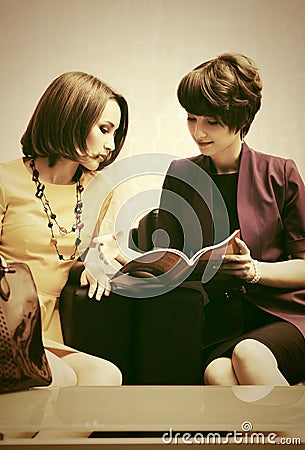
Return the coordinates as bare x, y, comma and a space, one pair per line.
154, 341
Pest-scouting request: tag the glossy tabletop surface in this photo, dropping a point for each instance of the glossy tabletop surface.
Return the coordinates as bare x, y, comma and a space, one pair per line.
143, 408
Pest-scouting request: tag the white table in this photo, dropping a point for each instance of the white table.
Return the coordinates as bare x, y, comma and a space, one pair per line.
131, 415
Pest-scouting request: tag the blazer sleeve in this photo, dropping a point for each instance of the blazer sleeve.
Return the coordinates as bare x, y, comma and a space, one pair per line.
294, 209
169, 230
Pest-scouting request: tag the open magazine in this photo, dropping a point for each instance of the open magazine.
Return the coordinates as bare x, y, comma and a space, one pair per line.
176, 264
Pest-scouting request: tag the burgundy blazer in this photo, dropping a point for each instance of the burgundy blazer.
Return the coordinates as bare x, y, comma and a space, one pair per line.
271, 213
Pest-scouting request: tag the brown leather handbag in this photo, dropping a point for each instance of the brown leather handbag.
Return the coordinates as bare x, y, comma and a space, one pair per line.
23, 362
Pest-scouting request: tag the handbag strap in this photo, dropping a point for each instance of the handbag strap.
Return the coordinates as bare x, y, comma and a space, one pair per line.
4, 286
4, 267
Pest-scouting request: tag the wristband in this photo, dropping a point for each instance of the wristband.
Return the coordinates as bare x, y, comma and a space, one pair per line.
257, 272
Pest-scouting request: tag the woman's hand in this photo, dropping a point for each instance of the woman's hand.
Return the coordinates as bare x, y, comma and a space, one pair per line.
108, 248
289, 274
240, 265
94, 275
98, 287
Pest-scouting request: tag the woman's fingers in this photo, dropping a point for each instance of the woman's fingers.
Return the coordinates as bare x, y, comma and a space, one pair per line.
92, 288
97, 288
239, 265
243, 249
83, 278
244, 255
102, 291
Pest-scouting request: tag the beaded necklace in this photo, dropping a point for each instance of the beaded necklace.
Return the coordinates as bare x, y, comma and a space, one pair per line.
52, 218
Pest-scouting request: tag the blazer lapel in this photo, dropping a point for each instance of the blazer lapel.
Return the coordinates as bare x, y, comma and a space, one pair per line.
248, 198
248, 202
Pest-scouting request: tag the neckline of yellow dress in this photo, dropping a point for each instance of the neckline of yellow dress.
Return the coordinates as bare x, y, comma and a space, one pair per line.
27, 168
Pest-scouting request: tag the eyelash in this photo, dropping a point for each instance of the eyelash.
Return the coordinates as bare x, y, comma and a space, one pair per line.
105, 130
209, 122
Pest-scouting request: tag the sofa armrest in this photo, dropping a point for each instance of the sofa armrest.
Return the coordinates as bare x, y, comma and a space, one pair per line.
75, 273
140, 238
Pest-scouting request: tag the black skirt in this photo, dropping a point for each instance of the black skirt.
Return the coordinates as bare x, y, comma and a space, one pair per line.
284, 340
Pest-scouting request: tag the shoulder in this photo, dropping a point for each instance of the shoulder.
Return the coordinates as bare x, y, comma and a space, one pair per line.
187, 172
187, 161
265, 158
191, 164
12, 168
270, 164
11, 165
11, 176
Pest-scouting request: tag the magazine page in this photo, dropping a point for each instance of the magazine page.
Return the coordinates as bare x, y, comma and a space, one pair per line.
159, 261
215, 252
155, 262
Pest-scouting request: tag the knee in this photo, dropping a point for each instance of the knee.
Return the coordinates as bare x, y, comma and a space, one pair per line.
108, 372
218, 372
94, 371
62, 373
251, 351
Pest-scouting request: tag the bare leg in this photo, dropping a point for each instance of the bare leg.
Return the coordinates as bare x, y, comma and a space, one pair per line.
255, 364
93, 371
62, 373
220, 372
70, 367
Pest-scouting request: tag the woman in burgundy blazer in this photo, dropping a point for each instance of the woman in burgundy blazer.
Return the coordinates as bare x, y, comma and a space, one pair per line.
255, 313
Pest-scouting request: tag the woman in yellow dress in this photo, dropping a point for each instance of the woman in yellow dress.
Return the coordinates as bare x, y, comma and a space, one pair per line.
77, 128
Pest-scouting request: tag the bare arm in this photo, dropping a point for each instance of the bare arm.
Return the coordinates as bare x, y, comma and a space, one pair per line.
288, 274
285, 274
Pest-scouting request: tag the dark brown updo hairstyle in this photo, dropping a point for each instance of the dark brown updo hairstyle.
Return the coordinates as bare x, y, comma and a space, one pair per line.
227, 88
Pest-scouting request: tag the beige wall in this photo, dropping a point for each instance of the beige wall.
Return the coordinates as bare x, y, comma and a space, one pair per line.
143, 47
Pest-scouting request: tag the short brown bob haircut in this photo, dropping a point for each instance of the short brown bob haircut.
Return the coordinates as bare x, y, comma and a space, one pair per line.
227, 88
65, 114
